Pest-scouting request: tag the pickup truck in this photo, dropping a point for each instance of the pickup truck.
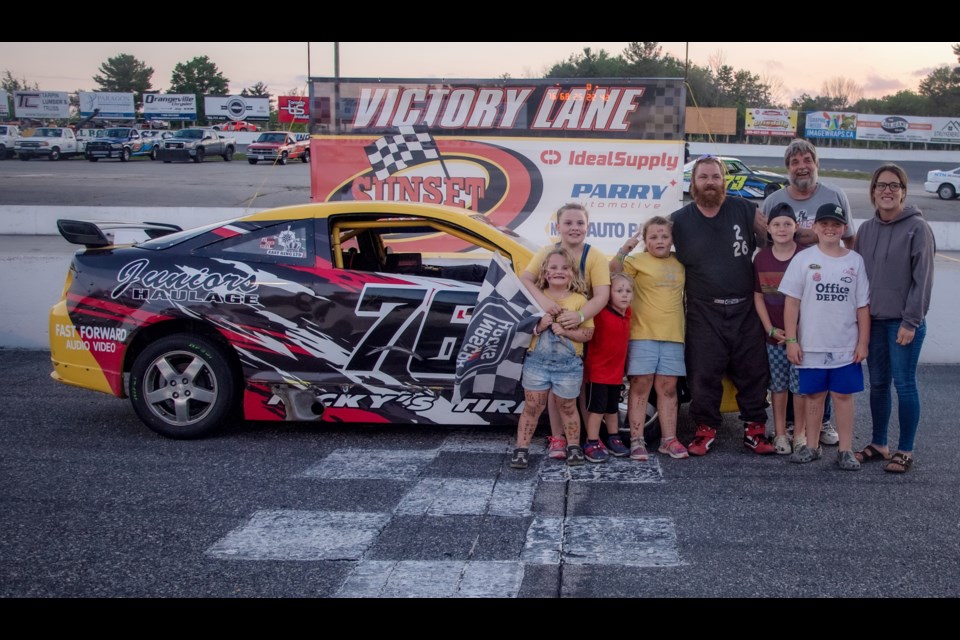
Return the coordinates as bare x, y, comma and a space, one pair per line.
9, 134
52, 142
122, 143
196, 144
278, 147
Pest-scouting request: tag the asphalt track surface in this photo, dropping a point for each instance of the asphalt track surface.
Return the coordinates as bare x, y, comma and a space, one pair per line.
97, 506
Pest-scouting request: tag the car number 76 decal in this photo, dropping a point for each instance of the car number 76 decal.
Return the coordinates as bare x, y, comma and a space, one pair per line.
417, 332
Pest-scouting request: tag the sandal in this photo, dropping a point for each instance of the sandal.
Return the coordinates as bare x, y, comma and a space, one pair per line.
898, 463
870, 453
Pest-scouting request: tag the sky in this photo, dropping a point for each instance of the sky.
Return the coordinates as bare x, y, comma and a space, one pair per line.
794, 68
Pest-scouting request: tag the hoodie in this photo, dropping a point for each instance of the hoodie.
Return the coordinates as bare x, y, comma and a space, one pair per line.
899, 259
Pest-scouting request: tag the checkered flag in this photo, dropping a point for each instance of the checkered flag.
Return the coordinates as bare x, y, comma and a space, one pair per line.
396, 152
490, 360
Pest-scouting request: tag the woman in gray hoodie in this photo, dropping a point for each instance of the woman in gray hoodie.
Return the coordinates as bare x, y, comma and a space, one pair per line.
898, 247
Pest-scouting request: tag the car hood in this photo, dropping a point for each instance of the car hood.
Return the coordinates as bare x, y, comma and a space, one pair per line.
264, 145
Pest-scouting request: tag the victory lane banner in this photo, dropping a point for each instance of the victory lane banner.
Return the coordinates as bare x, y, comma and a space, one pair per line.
515, 182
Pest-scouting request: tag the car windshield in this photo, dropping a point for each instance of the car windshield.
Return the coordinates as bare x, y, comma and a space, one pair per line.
272, 137
117, 133
44, 132
190, 134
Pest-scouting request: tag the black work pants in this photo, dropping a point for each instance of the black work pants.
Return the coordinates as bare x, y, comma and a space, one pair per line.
725, 339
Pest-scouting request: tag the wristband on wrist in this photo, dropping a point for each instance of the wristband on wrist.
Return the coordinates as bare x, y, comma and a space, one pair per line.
790, 340
581, 317
773, 330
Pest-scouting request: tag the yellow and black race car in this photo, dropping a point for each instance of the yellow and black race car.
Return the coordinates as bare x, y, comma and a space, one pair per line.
742, 180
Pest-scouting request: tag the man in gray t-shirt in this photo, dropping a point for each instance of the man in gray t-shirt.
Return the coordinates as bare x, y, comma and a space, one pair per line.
806, 193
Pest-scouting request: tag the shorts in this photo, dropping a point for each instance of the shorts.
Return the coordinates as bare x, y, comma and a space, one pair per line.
562, 374
783, 374
846, 379
645, 357
603, 398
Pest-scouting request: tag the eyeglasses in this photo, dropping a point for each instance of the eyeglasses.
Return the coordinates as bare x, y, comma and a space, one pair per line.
893, 186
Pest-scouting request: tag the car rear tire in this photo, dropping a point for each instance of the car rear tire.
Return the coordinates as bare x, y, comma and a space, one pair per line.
305, 157
153, 153
946, 192
183, 386
770, 189
3, 152
93, 159
24, 158
228, 154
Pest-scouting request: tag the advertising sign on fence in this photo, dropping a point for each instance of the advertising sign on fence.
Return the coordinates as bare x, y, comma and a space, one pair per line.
511, 150
900, 128
112, 106
293, 109
770, 122
41, 104
170, 106
236, 108
831, 124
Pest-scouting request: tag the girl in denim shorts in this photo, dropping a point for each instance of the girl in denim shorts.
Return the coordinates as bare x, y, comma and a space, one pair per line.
553, 361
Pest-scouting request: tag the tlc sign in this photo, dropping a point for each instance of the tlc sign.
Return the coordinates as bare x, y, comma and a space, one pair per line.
293, 109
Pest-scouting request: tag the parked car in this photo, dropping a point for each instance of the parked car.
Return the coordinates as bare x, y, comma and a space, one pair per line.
742, 180
945, 184
122, 143
9, 134
236, 126
196, 144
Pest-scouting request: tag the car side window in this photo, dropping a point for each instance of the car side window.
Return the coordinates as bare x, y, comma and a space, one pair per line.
289, 242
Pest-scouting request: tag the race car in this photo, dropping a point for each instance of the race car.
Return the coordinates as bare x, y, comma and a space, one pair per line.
742, 180
348, 312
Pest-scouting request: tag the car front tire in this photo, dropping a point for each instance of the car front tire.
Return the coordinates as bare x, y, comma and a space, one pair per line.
183, 387
55, 154
125, 155
199, 155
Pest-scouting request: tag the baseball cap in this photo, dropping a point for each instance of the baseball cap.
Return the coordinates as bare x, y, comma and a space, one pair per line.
781, 209
831, 211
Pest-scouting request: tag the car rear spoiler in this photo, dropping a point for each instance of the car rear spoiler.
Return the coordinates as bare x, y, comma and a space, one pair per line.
93, 234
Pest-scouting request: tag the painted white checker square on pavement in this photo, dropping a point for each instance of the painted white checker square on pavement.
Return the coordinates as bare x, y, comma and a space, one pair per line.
433, 579
615, 470
302, 535
376, 464
603, 540
460, 496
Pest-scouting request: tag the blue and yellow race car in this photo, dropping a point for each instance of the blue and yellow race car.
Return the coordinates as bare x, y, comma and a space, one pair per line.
742, 180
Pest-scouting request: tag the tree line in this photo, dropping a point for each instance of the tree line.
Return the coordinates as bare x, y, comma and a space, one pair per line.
715, 84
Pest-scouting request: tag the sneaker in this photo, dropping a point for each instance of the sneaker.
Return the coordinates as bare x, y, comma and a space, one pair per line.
828, 434
702, 441
847, 461
782, 445
520, 459
574, 455
806, 454
595, 452
673, 448
616, 447
755, 438
557, 448
638, 451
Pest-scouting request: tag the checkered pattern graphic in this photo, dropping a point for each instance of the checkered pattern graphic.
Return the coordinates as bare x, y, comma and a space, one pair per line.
783, 375
396, 152
661, 116
490, 361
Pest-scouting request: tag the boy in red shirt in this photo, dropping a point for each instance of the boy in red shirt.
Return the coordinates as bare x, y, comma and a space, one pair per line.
603, 371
